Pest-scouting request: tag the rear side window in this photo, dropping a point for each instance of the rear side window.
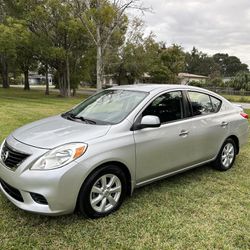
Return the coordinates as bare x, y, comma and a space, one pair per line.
200, 103
168, 107
216, 103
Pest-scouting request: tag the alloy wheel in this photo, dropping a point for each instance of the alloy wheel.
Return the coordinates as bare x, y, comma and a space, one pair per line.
227, 155
105, 193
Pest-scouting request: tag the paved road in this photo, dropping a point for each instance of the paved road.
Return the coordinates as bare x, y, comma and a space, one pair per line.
84, 91
244, 105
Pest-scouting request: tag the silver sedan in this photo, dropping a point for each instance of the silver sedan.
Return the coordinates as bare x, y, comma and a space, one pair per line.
89, 158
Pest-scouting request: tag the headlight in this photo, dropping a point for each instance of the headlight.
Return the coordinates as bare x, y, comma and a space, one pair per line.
60, 156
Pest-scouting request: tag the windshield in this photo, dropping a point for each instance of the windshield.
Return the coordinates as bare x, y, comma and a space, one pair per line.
107, 107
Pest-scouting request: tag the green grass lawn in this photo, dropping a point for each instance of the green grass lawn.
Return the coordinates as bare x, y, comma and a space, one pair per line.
199, 209
237, 98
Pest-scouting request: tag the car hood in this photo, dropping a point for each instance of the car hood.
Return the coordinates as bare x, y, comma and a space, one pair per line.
55, 131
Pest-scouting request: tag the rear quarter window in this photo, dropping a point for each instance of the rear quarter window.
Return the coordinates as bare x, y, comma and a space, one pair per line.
203, 104
216, 104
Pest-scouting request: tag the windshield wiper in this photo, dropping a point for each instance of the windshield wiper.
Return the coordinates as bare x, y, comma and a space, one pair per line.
85, 119
74, 117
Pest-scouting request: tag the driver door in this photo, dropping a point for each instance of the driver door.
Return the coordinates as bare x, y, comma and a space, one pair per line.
166, 148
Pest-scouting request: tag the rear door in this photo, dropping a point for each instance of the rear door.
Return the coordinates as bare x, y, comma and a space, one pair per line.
210, 127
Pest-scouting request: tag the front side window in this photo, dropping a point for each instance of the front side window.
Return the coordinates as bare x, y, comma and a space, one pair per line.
107, 107
168, 107
200, 103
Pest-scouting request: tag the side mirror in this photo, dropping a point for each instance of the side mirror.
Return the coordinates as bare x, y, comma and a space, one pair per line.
150, 121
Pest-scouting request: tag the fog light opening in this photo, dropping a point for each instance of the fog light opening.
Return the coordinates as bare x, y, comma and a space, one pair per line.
38, 198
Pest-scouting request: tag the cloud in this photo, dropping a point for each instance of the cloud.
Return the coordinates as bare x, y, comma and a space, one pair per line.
210, 25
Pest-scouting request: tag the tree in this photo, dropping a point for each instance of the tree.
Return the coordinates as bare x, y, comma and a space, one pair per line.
172, 62
58, 34
200, 63
44, 57
102, 18
173, 59
7, 51
26, 46
132, 64
47, 20
7, 45
139, 59
136, 56
229, 65
2, 11
143, 59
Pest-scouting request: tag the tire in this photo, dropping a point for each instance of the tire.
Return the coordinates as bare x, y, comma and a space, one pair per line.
103, 192
226, 156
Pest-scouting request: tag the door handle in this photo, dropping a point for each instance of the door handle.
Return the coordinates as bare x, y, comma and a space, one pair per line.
224, 124
184, 133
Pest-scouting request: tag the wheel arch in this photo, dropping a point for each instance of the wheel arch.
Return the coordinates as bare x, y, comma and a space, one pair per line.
118, 164
125, 170
236, 141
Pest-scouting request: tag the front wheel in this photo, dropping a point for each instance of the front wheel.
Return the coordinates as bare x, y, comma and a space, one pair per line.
103, 192
226, 156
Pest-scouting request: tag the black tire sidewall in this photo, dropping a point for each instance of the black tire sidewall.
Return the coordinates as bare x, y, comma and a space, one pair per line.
84, 206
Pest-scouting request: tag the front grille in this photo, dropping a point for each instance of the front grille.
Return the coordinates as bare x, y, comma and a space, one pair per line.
38, 198
12, 158
13, 192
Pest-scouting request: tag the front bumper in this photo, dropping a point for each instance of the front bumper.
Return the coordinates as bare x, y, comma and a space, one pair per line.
60, 187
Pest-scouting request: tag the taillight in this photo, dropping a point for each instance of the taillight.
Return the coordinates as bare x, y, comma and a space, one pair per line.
244, 115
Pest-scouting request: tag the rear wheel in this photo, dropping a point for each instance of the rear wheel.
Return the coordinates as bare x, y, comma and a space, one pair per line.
103, 192
226, 156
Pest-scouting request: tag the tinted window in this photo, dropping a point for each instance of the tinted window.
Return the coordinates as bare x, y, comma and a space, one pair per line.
168, 107
216, 103
200, 103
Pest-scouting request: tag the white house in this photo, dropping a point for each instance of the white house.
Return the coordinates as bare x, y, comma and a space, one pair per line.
185, 78
37, 79
227, 79
109, 80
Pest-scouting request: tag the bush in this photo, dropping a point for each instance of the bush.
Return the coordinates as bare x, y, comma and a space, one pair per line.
196, 84
217, 82
241, 81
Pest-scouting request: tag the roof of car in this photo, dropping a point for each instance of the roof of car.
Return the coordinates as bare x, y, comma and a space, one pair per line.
152, 87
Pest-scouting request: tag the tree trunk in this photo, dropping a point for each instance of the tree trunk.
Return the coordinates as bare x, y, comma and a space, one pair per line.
60, 83
99, 61
68, 75
65, 90
63, 84
5, 73
26, 80
14, 75
47, 80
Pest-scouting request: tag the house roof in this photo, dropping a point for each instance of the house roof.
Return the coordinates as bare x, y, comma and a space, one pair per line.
187, 75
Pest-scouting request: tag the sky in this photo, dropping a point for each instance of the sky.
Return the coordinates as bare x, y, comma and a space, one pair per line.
210, 25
